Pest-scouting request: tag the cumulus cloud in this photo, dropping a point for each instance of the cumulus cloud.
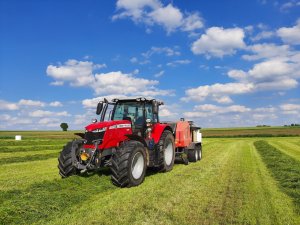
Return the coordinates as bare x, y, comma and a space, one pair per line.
209, 110
272, 74
290, 109
92, 102
4, 105
217, 42
263, 35
290, 35
28, 102
55, 104
153, 12
45, 113
267, 51
217, 91
79, 73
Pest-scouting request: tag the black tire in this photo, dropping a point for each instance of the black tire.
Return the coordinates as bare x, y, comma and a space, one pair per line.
199, 148
122, 164
165, 163
67, 158
193, 155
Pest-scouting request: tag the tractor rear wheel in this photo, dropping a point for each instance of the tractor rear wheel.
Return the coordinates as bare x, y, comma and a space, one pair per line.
66, 159
129, 164
167, 151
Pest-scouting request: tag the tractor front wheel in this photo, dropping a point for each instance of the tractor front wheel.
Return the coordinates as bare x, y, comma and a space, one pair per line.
67, 158
129, 164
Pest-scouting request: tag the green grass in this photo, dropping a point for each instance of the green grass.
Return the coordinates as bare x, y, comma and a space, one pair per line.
284, 168
232, 184
252, 132
289, 147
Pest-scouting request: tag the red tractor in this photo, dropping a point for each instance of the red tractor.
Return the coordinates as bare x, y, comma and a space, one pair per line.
129, 138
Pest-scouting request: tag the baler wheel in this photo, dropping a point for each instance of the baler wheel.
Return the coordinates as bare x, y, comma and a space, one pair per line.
129, 164
193, 155
199, 149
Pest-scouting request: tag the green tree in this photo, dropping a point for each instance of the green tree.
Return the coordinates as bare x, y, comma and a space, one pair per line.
64, 126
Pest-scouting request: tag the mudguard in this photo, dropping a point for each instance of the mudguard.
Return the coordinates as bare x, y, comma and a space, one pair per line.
158, 129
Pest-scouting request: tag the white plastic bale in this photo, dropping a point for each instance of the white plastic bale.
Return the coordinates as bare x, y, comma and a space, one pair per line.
18, 137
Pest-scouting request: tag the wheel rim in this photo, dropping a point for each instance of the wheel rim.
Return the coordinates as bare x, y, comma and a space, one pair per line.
169, 154
137, 166
196, 155
200, 154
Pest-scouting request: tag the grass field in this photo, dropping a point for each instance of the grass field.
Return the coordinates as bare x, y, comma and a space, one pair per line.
238, 181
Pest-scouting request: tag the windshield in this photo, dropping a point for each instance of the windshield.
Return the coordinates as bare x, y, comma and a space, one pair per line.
129, 110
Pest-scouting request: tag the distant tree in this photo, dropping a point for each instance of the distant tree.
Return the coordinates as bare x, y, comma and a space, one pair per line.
64, 126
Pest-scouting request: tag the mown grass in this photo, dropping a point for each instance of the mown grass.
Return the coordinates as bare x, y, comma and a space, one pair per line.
230, 185
28, 158
18, 149
291, 148
284, 168
252, 132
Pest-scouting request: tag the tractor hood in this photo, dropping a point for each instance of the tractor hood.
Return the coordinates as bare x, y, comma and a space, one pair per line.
105, 124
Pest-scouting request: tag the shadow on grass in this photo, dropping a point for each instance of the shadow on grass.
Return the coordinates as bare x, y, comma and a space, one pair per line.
47, 199
284, 169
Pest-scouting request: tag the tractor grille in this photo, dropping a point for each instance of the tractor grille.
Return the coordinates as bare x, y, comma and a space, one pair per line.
91, 136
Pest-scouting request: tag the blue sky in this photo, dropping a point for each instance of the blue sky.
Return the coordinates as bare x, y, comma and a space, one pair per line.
219, 63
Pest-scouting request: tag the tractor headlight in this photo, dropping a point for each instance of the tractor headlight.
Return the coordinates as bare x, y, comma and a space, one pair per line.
99, 130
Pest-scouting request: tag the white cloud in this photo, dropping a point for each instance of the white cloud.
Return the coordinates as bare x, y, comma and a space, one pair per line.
27, 102
290, 35
44, 113
169, 17
285, 7
166, 111
46, 121
159, 74
119, 83
153, 12
134, 60
179, 62
192, 22
55, 104
4, 105
112, 83
209, 110
92, 103
57, 83
267, 51
78, 73
290, 109
161, 50
263, 35
218, 42
217, 91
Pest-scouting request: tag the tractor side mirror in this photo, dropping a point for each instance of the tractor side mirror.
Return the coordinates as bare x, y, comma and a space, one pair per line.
99, 108
155, 107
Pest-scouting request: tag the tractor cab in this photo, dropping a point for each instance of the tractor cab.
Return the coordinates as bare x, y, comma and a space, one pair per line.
140, 112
